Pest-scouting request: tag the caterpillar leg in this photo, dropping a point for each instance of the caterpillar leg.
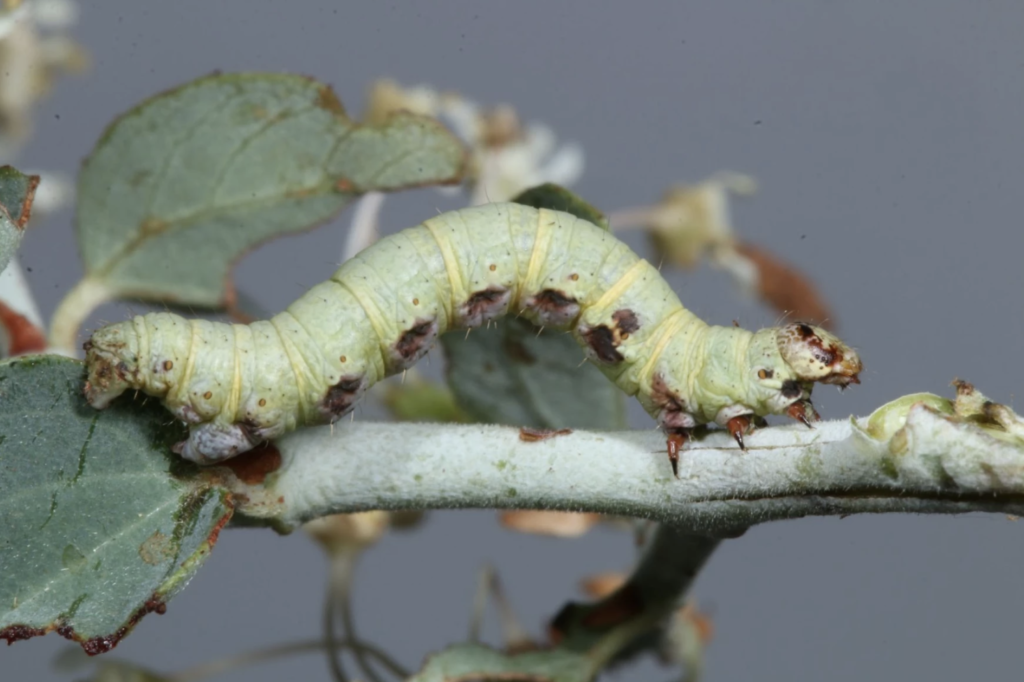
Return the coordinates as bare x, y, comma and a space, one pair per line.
803, 411
213, 442
740, 426
677, 438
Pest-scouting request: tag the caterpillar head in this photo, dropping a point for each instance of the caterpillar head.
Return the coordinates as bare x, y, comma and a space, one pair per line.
111, 359
816, 355
786, 361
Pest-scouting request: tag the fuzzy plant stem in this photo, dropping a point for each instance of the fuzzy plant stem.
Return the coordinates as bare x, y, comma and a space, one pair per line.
916, 461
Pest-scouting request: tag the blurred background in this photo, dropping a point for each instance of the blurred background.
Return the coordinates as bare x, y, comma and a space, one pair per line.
887, 141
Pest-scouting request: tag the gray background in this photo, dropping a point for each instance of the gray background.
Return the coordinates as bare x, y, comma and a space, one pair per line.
887, 139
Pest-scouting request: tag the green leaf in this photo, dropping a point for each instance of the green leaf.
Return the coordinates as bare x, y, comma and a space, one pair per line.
420, 400
184, 184
483, 664
16, 193
99, 523
510, 374
558, 198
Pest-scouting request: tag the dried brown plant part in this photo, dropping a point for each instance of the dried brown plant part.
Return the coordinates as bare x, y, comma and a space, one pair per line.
785, 288
347, 532
600, 585
971, 404
559, 524
528, 434
23, 336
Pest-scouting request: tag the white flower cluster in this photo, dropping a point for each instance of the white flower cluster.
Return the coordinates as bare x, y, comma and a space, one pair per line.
34, 50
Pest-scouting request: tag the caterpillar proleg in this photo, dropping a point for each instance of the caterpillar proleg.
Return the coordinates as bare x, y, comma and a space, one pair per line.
238, 385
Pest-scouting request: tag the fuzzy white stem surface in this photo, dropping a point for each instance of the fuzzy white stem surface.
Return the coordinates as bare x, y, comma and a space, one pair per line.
926, 462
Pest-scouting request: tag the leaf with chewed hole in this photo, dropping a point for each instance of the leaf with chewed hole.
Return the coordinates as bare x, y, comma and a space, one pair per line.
99, 523
182, 185
510, 374
16, 193
476, 662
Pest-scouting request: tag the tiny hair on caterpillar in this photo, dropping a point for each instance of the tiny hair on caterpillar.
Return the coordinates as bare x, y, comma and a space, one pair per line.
238, 385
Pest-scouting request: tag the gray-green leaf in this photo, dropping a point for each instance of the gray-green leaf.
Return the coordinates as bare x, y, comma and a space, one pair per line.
508, 374
16, 193
184, 184
558, 198
99, 524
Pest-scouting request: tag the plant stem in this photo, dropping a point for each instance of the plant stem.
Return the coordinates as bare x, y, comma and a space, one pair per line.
212, 668
79, 303
932, 464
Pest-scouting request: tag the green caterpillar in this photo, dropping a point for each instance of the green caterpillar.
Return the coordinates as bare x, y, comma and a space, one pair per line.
238, 385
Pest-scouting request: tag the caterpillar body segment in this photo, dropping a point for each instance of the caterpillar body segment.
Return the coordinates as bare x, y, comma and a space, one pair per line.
237, 385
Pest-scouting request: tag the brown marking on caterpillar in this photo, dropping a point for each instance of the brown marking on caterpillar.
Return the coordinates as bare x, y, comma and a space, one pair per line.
825, 356
605, 340
601, 340
529, 434
835, 366
414, 343
483, 306
553, 308
168, 365
626, 321
254, 466
340, 398
791, 388
674, 411
252, 429
102, 372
